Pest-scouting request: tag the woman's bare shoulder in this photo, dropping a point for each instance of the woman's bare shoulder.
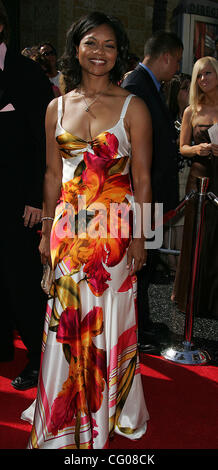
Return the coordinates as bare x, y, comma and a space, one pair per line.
136, 101
188, 110
117, 90
188, 114
138, 106
52, 106
52, 113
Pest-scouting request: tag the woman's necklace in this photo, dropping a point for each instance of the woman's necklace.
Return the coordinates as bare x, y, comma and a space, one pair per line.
88, 106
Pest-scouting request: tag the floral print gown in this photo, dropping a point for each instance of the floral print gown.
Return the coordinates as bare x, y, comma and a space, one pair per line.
90, 383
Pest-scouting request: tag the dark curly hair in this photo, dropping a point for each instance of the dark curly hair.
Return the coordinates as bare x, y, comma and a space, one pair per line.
69, 64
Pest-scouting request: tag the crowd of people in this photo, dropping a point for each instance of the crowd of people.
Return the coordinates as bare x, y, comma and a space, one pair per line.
45, 54
87, 132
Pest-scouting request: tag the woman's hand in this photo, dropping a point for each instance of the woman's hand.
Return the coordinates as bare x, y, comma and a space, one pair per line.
31, 216
203, 150
44, 249
186, 148
136, 255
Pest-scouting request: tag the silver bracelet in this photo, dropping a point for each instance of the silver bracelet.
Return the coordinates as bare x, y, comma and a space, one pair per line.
47, 218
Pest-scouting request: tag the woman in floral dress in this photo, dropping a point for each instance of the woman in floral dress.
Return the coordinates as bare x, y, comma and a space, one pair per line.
90, 383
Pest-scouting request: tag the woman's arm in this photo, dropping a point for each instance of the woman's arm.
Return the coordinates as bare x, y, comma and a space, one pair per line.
140, 129
186, 148
52, 180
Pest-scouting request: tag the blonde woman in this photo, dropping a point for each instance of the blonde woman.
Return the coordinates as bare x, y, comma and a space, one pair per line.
198, 118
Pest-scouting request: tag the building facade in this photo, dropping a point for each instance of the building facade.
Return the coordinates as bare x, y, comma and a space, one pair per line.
37, 21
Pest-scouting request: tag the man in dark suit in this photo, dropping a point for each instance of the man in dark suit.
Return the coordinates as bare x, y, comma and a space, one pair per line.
162, 56
25, 92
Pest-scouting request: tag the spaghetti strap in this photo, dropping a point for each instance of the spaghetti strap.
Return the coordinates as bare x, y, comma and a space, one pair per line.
60, 108
125, 106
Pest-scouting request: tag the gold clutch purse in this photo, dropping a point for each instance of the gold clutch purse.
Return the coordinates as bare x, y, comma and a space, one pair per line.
47, 278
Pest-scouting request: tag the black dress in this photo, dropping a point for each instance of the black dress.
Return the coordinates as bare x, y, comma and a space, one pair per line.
207, 279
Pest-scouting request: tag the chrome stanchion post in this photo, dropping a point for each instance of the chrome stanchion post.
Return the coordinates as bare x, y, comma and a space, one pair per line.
186, 353
175, 212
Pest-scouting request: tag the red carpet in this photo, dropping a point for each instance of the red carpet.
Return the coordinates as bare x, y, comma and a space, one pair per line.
182, 403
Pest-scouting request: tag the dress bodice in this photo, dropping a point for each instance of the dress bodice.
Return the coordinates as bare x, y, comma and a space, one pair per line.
200, 133
202, 166
106, 148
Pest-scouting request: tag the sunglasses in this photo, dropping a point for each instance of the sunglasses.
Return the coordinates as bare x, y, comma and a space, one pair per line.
47, 53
